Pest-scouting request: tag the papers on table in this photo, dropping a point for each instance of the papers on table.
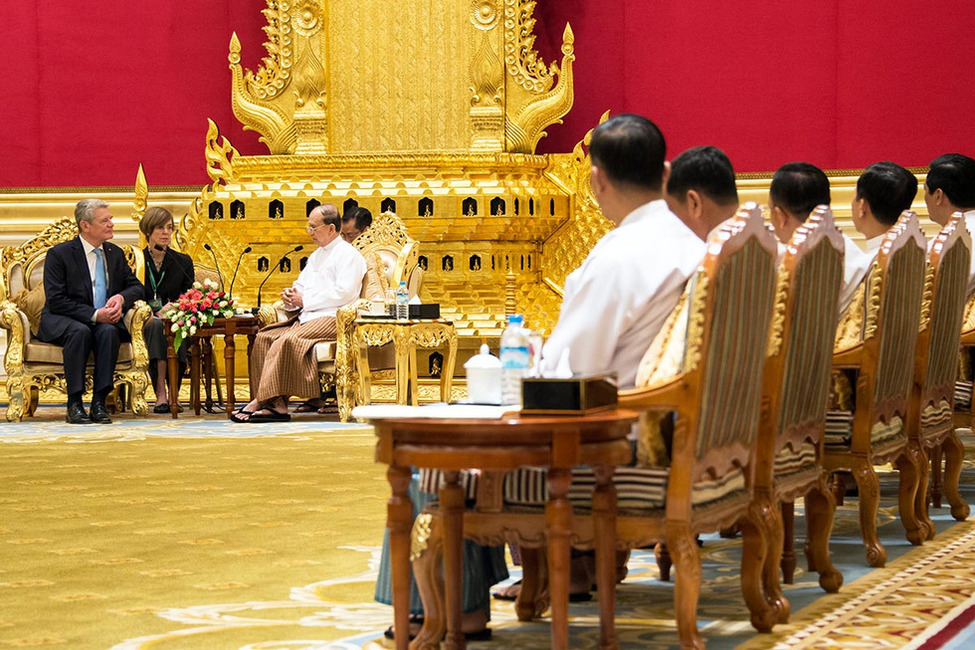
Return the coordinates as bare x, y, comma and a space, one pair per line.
438, 410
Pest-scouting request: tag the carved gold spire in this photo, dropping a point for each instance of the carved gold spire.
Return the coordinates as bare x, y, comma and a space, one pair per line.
374, 76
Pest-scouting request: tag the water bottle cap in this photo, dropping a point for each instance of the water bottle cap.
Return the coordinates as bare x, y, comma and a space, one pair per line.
515, 319
402, 283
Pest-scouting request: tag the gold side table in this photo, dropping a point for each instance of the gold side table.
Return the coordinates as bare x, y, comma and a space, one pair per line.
406, 336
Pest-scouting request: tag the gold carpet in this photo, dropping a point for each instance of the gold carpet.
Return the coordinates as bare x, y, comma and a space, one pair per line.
203, 534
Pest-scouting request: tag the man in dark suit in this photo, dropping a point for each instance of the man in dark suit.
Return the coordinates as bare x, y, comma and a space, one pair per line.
89, 286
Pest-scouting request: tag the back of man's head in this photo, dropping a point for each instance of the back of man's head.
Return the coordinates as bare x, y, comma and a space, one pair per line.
630, 150
798, 187
888, 189
704, 169
953, 174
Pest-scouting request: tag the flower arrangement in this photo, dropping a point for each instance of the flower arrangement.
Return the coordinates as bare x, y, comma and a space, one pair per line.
198, 307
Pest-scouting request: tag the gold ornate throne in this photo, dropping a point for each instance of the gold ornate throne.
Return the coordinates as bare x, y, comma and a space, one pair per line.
391, 256
33, 366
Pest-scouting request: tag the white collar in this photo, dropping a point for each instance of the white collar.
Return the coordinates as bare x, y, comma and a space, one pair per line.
872, 245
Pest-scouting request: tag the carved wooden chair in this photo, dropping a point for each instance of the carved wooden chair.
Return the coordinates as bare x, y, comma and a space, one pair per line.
33, 366
931, 417
870, 429
795, 393
391, 256
708, 483
964, 414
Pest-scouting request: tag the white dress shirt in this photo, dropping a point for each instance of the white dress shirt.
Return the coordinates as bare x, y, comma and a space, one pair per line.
332, 278
970, 224
856, 263
618, 299
872, 245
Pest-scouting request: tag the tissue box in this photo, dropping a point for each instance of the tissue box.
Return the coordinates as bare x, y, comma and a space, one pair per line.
573, 396
425, 310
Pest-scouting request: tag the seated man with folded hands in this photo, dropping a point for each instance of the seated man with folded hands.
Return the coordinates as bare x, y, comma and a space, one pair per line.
283, 360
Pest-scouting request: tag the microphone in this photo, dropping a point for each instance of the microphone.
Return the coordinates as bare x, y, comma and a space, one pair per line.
176, 262
215, 264
274, 268
230, 293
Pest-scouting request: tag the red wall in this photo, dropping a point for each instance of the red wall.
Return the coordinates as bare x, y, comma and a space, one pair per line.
94, 89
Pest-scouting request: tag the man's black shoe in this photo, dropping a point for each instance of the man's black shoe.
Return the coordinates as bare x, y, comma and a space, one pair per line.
76, 414
99, 413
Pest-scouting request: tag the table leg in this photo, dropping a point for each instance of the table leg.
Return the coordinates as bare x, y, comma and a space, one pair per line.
365, 374
195, 375
558, 521
604, 518
399, 516
452, 506
207, 363
401, 344
172, 369
447, 373
414, 377
228, 362
250, 376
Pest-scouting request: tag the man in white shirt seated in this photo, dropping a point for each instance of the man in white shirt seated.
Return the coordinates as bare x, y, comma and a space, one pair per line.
950, 188
884, 190
618, 299
283, 358
796, 189
701, 189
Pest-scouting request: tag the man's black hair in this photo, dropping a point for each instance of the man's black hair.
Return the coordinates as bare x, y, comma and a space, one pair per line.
888, 189
630, 150
705, 169
798, 187
954, 174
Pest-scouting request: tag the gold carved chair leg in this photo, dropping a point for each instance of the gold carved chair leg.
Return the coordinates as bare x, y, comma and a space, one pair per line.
954, 453
820, 507
754, 551
869, 489
908, 465
920, 505
426, 554
687, 582
533, 598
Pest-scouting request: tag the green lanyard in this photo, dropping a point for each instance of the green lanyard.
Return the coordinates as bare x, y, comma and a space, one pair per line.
152, 278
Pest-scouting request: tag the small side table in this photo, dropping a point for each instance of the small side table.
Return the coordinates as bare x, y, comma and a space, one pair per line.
406, 336
244, 325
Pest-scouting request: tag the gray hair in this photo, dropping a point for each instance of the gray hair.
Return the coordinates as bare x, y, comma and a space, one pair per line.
85, 210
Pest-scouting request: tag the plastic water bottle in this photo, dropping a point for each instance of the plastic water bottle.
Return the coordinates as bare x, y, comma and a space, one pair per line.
515, 359
402, 302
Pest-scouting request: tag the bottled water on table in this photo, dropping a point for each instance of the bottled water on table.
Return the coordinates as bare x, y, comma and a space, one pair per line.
515, 359
402, 302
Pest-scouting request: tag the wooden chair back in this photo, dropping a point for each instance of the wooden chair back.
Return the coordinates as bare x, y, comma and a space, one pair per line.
894, 288
942, 310
797, 371
730, 308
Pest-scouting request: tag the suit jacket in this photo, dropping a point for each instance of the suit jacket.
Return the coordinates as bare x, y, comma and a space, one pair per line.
178, 278
68, 286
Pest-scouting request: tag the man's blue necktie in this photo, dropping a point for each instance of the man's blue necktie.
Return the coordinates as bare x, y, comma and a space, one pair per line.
101, 281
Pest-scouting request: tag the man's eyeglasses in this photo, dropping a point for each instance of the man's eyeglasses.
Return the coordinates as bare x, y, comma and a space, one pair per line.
311, 229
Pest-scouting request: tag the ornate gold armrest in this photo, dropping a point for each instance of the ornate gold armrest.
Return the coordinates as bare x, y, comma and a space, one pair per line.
276, 313
135, 321
850, 357
15, 322
662, 397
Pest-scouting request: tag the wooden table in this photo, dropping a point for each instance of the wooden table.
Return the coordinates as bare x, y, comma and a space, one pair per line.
559, 442
406, 336
244, 325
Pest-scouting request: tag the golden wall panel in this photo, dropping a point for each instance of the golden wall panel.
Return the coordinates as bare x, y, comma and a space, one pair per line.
399, 76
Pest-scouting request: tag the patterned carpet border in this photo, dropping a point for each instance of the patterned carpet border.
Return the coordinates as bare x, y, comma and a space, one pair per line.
890, 607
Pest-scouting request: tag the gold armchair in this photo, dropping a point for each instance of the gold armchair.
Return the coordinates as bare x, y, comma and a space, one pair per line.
391, 256
33, 366
930, 425
795, 393
707, 485
874, 432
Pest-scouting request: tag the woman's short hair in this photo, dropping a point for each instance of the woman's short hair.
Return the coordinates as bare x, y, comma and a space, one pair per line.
155, 217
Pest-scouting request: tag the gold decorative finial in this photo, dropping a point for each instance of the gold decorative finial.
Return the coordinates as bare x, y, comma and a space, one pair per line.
141, 195
219, 156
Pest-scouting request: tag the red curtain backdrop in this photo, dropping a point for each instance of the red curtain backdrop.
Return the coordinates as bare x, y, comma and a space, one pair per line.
94, 88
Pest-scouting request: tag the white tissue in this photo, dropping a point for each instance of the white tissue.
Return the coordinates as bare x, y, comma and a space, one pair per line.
562, 368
